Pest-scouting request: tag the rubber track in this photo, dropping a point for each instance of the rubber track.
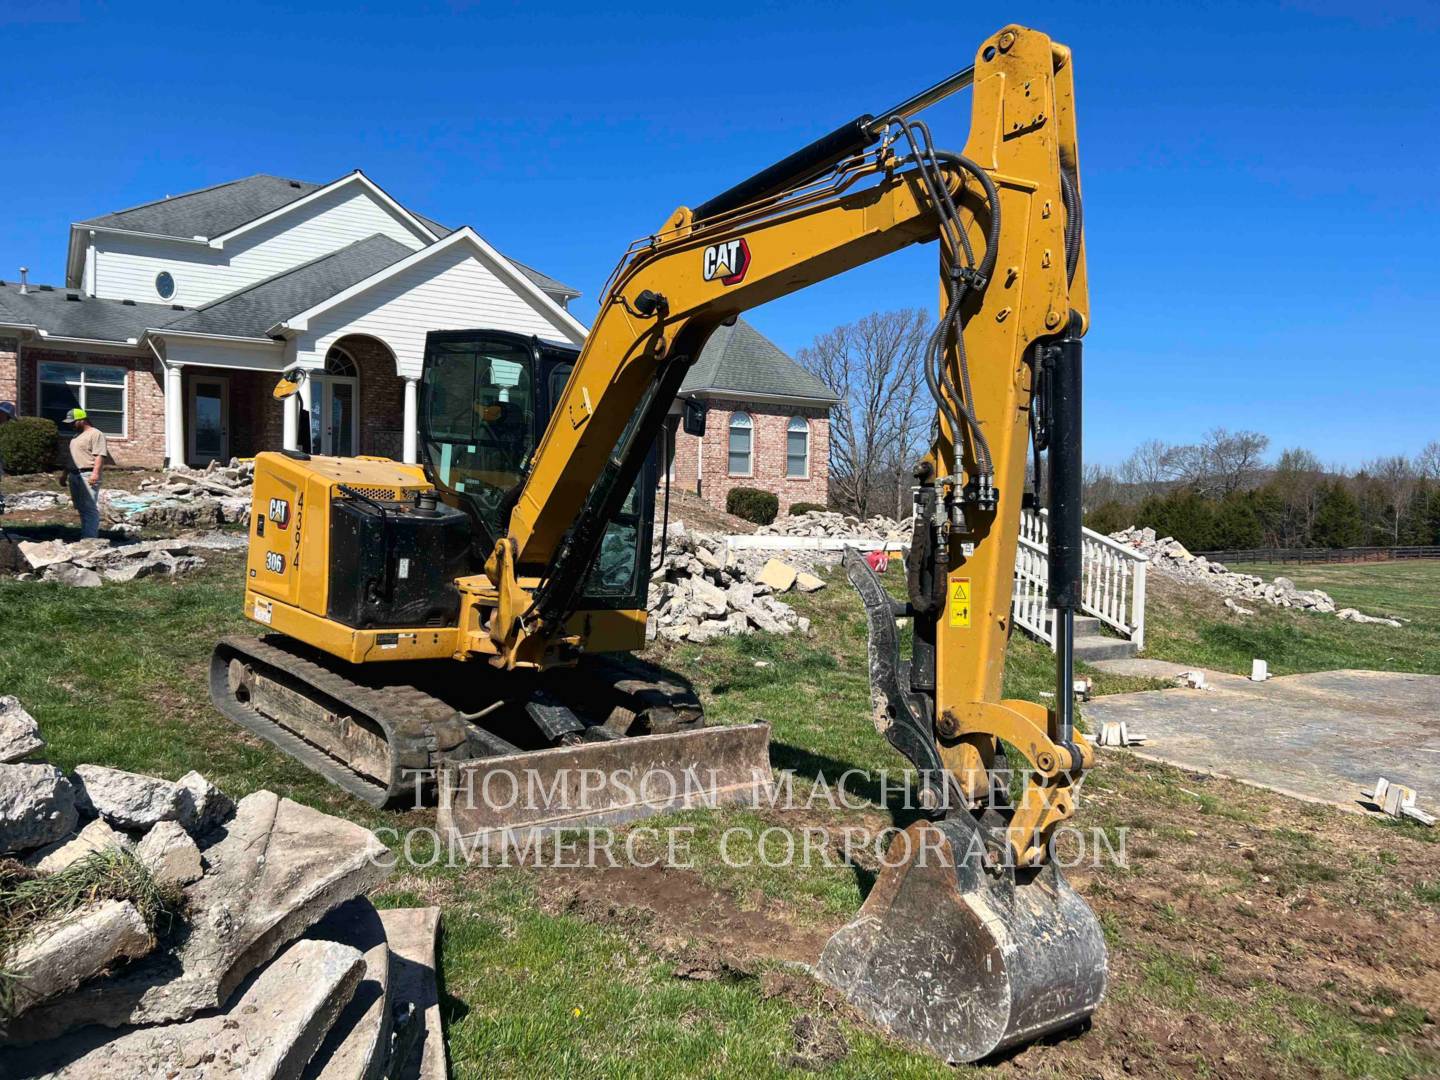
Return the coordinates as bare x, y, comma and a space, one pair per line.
422, 731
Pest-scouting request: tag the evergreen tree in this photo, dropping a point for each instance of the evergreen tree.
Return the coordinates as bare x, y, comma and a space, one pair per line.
1338, 522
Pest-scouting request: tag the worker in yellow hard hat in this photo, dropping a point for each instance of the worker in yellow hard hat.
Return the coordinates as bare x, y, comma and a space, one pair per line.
88, 452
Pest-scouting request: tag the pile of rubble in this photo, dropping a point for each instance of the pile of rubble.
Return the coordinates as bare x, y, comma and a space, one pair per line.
185, 498
263, 959
89, 563
830, 525
703, 591
1169, 557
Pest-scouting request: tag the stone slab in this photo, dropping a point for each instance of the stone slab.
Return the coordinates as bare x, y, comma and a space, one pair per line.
37, 807
62, 954
96, 836
357, 1046
1324, 736
412, 934
270, 1033
276, 870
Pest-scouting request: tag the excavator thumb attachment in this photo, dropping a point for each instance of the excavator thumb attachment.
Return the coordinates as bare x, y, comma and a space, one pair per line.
964, 961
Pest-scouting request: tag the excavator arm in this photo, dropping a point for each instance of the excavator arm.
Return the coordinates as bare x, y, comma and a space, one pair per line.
992, 947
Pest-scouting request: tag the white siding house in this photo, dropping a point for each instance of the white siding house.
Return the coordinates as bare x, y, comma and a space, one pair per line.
202, 299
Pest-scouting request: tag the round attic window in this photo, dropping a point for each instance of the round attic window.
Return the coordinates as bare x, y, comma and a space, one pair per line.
165, 284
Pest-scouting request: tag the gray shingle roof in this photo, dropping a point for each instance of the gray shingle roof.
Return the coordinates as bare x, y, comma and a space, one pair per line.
211, 211
742, 361
252, 311
52, 311
216, 210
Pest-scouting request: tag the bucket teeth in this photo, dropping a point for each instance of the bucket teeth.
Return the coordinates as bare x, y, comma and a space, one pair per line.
964, 962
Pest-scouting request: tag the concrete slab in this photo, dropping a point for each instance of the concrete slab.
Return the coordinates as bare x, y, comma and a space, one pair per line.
357, 1047
411, 933
1324, 736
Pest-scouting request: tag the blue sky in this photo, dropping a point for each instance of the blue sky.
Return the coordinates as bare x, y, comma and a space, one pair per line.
1260, 179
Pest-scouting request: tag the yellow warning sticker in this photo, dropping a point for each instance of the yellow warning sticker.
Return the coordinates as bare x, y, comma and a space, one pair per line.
960, 601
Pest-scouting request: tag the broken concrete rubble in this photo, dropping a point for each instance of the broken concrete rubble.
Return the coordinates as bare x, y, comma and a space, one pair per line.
86, 563
60, 955
202, 805
276, 869
126, 800
170, 855
412, 934
1169, 557
832, 525
699, 597
37, 807
19, 734
97, 836
269, 1033
358, 1043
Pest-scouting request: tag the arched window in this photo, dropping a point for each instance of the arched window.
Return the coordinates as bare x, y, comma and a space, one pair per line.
340, 362
742, 440
797, 448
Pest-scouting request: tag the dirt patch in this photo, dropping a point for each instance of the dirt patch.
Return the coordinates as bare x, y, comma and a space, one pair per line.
680, 915
686, 506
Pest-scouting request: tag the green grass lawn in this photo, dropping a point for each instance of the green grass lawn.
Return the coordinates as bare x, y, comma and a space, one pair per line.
1190, 626
534, 987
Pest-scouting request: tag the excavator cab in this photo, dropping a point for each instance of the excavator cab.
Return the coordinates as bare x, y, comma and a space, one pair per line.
486, 398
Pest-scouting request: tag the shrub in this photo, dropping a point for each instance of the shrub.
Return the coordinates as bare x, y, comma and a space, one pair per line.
1109, 517
752, 504
27, 445
796, 509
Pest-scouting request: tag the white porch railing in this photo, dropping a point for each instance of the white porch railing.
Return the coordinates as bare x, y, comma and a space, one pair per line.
1112, 582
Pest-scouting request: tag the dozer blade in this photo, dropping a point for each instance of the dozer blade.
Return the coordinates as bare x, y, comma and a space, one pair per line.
964, 962
604, 783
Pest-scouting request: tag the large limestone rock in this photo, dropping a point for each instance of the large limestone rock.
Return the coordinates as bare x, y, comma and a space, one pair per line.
276, 870
62, 954
97, 836
268, 1034
170, 855
19, 734
37, 807
202, 805
125, 799
77, 577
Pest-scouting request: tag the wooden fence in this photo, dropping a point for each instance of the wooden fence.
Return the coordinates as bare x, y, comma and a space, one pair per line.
1323, 555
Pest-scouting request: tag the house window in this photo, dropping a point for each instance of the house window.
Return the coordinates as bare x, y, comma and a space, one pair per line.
797, 448
165, 284
100, 391
742, 435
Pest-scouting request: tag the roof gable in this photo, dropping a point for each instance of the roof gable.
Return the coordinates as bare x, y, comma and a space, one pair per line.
521, 283
740, 360
254, 310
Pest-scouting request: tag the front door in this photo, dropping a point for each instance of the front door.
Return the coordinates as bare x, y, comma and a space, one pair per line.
208, 430
334, 411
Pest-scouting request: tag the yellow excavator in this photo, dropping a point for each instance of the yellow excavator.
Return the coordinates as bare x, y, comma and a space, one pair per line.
475, 615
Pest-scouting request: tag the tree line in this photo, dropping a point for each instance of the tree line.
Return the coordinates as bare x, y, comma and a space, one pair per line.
1218, 493
1221, 493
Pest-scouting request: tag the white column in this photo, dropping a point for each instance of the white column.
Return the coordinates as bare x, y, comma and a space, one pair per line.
174, 416
410, 449
290, 429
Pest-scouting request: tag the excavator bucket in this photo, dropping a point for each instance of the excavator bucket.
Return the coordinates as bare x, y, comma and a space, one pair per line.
964, 961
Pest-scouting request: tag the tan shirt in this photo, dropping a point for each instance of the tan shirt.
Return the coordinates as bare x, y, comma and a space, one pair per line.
86, 447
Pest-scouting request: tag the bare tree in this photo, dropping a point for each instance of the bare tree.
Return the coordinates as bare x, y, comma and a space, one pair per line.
874, 367
1149, 468
1233, 459
1427, 462
1397, 479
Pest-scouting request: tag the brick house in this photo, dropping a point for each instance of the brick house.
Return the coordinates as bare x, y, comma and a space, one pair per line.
767, 423
177, 316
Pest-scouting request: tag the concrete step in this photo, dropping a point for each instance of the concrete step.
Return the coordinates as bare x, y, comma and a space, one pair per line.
1091, 647
1086, 626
